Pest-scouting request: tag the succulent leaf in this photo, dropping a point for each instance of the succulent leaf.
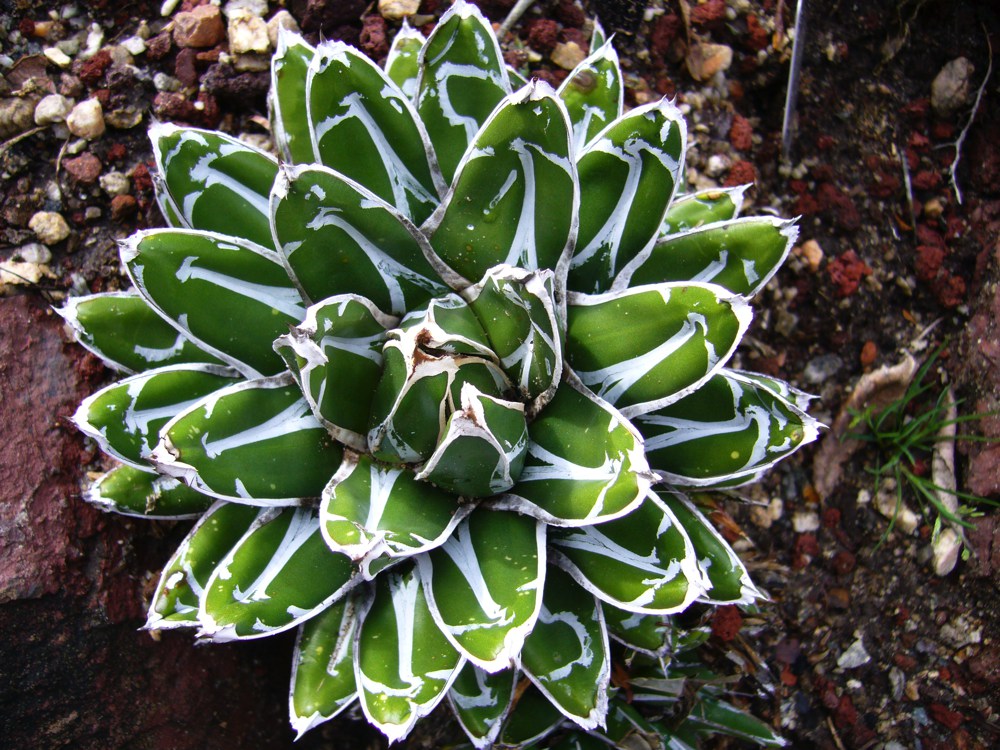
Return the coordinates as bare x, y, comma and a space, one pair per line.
481, 702
279, 574
594, 94
336, 357
125, 418
566, 655
402, 662
256, 442
729, 429
514, 197
585, 464
484, 586
339, 238
693, 210
462, 78
532, 718
643, 562
185, 576
649, 346
364, 127
647, 634
127, 334
214, 182
371, 511
628, 175
323, 682
230, 296
145, 494
739, 255
403, 62
287, 98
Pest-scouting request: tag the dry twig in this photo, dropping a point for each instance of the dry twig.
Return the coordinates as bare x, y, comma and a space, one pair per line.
953, 170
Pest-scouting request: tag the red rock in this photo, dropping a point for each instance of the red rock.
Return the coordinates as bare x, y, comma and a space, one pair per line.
85, 168
576, 36
90, 71
904, 661
741, 173
926, 180
950, 290
141, 180
185, 69
868, 353
740, 133
831, 517
158, 46
116, 151
929, 260
788, 677
846, 272
845, 714
928, 236
170, 105
709, 13
945, 716
373, 36
984, 473
838, 203
123, 207
570, 14
543, 34
200, 27
757, 36
665, 31
843, 562
726, 623
919, 142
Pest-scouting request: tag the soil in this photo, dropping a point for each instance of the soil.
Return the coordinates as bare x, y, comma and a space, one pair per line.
861, 646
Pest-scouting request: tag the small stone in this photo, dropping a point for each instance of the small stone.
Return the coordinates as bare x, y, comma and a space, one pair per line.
868, 353
50, 228
251, 7
57, 57
135, 45
704, 60
950, 88
124, 118
839, 597
811, 252
123, 207
717, 165
164, 82
804, 521
281, 20
397, 10
185, 70
855, 656
933, 208
567, 56
200, 27
115, 183
86, 120
946, 548
821, 369
34, 252
52, 108
13, 273
84, 168
247, 34
251, 63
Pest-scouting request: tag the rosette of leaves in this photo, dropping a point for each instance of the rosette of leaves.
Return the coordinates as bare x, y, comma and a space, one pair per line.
434, 379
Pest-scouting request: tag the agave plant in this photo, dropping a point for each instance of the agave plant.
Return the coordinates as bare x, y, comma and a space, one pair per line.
434, 380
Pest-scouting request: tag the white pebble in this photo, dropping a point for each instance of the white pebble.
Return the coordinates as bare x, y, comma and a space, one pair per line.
52, 108
252, 7
115, 183
86, 120
34, 252
805, 520
50, 227
57, 57
247, 34
855, 656
134, 44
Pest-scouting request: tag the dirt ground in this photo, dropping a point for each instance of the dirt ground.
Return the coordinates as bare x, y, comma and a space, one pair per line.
862, 644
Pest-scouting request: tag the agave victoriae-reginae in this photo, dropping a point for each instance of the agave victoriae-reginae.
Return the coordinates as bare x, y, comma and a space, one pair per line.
433, 383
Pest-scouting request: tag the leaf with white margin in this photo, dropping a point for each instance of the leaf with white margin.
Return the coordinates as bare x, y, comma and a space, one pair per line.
531, 719
402, 64
125, 417
484, 585
127, 334
515, 196
481, 702
566, 655
184, 577
798, 398
626, 724
279, 574
371, 511
483, 448
628, 176
144, 494
711, 716
336, 356
646, 634
323, 667
402, 663
215, 182
693, 210
727, 579
518, 311
256, 442
643, 562
364, 127
644, 348
594, 94
730, 428
517, 81
228, 295
739, 255
598, 37
287, 97
462, 78
585, 464
340, 238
